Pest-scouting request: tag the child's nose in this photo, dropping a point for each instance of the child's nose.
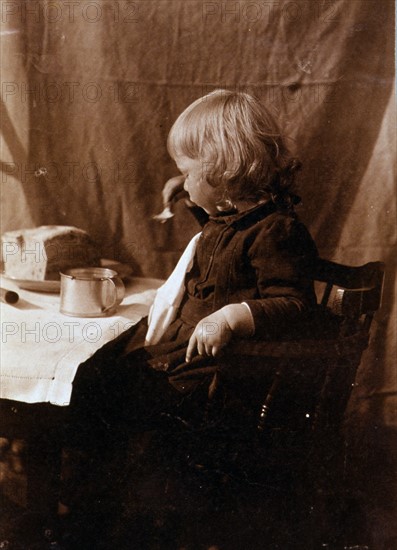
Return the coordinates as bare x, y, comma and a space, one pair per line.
185, 185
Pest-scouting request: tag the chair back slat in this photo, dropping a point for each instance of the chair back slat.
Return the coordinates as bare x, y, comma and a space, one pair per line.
366, 276
326, 294
351, 291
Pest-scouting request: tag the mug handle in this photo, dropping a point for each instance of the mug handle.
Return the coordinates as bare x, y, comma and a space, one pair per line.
119, 292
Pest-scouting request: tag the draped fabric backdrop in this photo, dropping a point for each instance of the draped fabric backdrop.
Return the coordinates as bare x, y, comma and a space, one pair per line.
90, 90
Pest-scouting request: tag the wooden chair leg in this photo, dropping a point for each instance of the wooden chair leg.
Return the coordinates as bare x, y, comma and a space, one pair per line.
269, 399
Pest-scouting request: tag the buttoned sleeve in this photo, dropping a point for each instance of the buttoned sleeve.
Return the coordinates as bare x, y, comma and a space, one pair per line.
282, 256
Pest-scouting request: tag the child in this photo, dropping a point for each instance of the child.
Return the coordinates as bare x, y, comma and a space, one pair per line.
247, 275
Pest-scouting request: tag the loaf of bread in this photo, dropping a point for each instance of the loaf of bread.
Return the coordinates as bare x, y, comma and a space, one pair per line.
40, 253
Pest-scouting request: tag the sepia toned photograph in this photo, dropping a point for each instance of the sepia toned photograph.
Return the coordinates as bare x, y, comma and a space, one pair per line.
198, 275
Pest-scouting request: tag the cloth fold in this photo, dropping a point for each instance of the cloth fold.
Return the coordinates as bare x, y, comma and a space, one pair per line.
169, 296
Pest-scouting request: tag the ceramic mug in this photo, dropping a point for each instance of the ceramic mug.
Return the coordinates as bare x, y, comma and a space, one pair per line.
90, 292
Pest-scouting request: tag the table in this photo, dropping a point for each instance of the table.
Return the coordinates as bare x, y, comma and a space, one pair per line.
40, 353
42, 348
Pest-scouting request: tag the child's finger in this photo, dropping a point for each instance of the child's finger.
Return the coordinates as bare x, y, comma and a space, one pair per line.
215, 350
191, 347
208, 348
201, 348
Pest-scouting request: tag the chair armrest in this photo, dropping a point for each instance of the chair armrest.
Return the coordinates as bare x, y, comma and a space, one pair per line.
301, 349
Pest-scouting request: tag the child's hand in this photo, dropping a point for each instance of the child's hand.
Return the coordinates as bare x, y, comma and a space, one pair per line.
215, 331
210, 335
171, 188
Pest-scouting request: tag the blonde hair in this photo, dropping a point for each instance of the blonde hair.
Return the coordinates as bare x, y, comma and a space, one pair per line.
239, 143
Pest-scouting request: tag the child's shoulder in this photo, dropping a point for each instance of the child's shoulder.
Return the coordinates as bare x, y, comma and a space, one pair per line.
266, 220
268, 216
280, 228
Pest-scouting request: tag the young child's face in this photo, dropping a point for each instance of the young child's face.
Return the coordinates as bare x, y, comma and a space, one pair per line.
200, 191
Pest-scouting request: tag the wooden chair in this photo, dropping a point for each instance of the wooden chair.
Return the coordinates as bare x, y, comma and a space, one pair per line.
329, 364
325, 366
353, 294
246, 454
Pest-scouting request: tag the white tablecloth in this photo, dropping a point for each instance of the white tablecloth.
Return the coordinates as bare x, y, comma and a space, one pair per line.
42, 348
